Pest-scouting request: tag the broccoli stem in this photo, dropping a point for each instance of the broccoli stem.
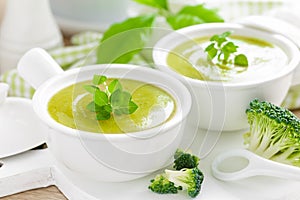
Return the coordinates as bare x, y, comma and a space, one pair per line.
255, 136
283, 157
174, 176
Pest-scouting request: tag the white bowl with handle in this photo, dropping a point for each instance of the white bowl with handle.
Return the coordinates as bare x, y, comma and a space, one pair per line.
106, 157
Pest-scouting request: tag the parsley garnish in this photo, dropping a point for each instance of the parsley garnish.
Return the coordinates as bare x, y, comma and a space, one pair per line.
224, 53
113, 100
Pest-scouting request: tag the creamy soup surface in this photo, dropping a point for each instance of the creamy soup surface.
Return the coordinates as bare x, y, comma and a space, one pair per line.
264, 59
155, 106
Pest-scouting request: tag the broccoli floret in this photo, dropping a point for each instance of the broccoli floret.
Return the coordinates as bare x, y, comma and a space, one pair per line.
189, 179
274, 133
185, 160
161, 185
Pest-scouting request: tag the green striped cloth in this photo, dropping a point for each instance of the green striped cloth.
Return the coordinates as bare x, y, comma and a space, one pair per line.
234, 9
67, 57
86, 38
82, 51
18, 87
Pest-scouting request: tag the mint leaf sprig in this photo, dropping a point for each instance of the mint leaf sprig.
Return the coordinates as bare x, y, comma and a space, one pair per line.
187, 16
125, 39
160, 4
223, 53
122, 41
113, 100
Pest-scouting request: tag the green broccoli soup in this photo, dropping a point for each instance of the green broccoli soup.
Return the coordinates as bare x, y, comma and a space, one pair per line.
155, 106
191, 59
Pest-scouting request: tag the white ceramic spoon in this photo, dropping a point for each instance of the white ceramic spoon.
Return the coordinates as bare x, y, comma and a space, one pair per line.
240, 163
20, 129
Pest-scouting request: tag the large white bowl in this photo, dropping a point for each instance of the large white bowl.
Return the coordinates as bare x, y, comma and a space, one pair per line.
221, 106
106, 157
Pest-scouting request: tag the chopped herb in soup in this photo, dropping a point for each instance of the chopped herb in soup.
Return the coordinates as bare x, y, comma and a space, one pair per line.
155, 107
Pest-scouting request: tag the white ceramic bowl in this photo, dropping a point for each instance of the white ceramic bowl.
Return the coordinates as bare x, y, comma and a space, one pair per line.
74, 16
26, 24
221, 105
107, 157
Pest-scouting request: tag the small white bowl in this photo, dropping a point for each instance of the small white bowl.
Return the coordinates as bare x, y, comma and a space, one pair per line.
220, 106
107, 157
75, 16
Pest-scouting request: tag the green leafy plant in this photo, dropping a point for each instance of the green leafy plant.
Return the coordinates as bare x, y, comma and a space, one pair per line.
224, 53
187, 16
123, 40
113, 99
160, 4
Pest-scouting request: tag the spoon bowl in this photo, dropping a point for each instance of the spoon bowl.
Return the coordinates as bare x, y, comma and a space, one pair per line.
249, 165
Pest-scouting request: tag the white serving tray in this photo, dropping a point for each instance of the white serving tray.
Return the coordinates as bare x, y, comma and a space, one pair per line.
37, 168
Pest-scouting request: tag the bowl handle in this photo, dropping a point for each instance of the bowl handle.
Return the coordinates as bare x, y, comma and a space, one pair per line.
36, 66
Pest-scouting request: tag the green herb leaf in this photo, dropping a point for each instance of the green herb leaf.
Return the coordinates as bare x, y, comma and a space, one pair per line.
211, 51
192, 15
103, 114
142, 21
205, 14
220, 39
124, 110
225, 34
93, 107
99, 79
112, 100
241, 60
114, 85
120, 99
183, 20
162, 4
91, 88
123, 40
132, 107
107, 108
229, 47
225, 52
100, 98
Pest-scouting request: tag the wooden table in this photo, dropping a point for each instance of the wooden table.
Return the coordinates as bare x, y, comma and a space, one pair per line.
52, 193
49, 193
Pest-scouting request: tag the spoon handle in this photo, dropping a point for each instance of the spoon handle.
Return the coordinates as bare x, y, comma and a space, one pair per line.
255, 166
